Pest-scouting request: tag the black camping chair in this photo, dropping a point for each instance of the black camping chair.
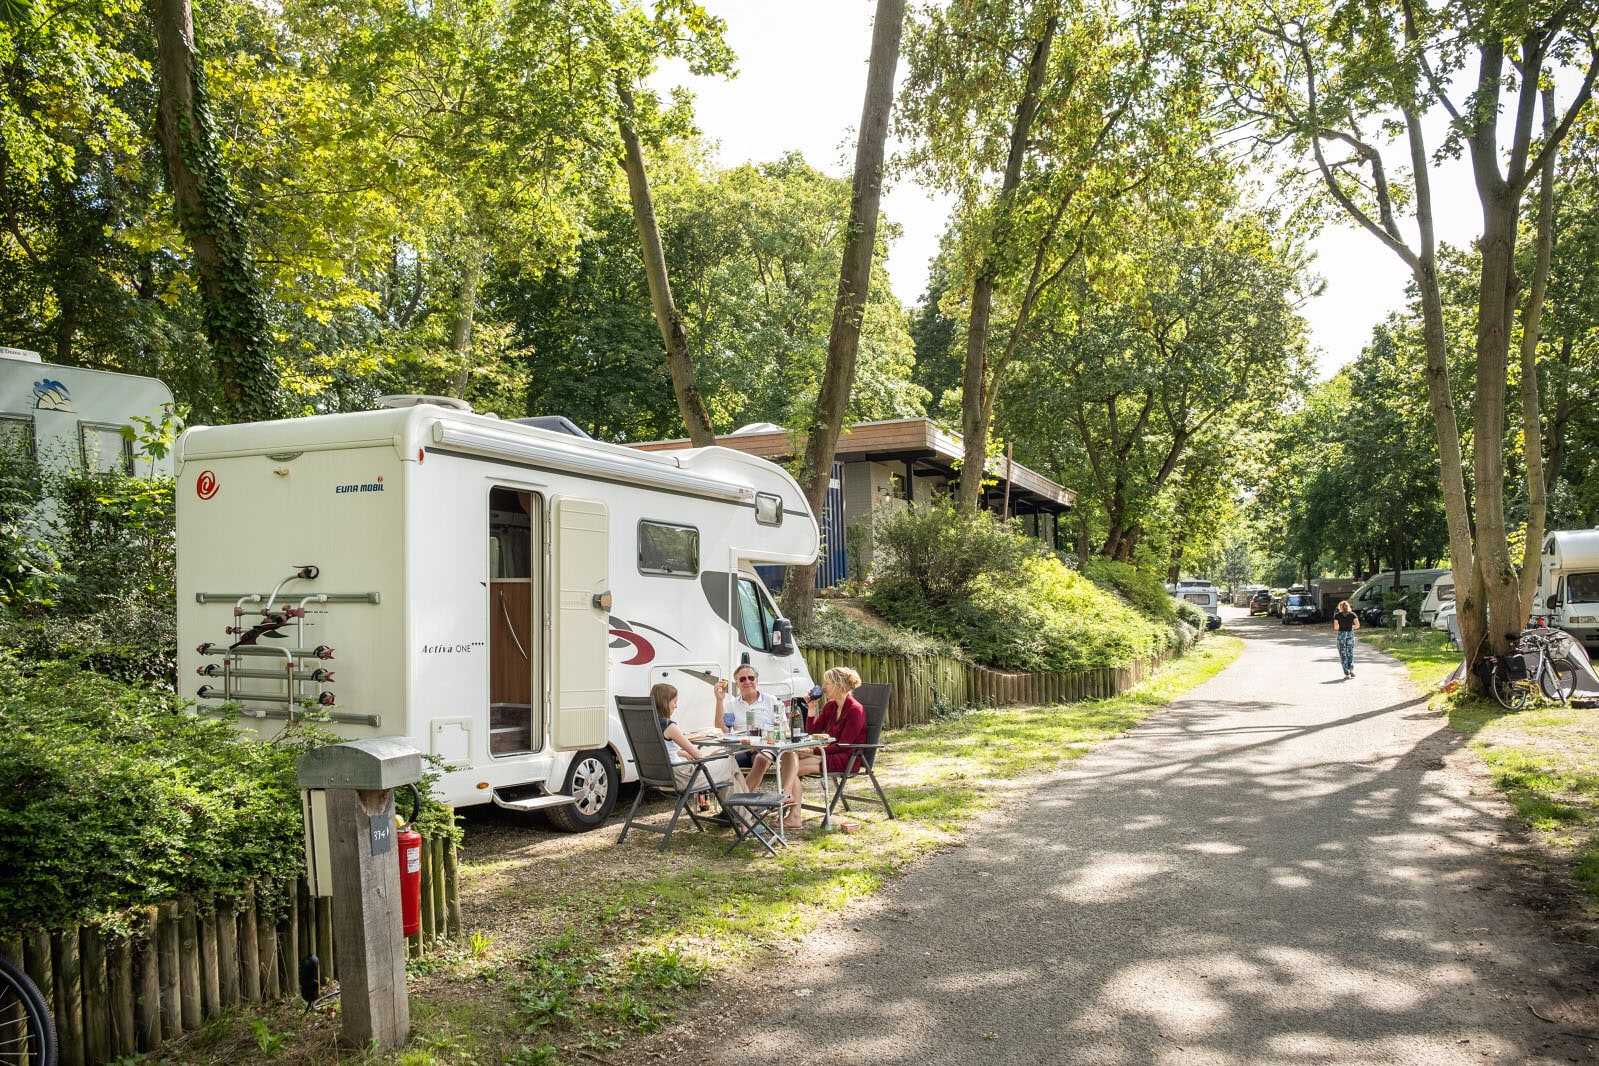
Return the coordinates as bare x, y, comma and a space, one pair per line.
655, 768
874, 700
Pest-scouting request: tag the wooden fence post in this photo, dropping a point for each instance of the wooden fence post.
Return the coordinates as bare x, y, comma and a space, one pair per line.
96, 1001
227, 937
122, 993
166, 938
147, 975
189, 964
249, 946
68, 991
210, 974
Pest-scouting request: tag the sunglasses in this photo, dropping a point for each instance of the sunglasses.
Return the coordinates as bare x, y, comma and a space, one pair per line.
747, 677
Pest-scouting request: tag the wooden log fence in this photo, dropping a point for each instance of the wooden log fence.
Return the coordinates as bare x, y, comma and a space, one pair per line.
923, 682
172, 968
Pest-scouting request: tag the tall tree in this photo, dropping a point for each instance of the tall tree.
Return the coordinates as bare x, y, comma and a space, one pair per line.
860, 245
1041, 117
1330, 79
209, 215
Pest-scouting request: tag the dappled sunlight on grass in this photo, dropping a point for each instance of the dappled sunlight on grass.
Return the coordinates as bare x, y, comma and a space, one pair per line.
1546, 761
1426, 653
654, 923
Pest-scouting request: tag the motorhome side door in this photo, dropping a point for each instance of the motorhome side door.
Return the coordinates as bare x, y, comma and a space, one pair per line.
580, 561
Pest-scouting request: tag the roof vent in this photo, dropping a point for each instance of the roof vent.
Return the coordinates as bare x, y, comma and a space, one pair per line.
408, 400
553, 423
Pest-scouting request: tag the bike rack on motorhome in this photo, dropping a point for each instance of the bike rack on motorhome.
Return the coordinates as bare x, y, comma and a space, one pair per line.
480, 588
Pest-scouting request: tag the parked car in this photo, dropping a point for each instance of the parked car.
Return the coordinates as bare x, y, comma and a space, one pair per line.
1299, 607
1276, 608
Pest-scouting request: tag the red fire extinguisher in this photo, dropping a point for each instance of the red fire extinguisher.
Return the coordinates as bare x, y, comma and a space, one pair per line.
411, 869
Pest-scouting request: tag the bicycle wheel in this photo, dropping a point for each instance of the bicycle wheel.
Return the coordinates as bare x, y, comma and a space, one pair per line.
1559, 679
27, 1033
1512, 695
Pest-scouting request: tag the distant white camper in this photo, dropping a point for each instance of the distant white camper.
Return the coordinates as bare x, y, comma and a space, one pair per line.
1568, 584
479, 588
69, 417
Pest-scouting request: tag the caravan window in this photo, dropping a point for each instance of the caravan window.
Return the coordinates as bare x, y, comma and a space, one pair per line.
768, 509
756, 615
104, 448
664, 549
16, 435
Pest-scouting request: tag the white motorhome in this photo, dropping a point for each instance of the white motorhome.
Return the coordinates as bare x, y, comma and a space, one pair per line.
69, 417
1568, 584
479, 588
1371, 594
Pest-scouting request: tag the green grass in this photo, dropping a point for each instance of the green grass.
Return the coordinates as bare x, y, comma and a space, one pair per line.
1426, 653
1545, 759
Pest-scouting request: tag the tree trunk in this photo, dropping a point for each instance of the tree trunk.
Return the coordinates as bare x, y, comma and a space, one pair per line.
674, 334
463, 317
1531, 402
976, 389
854, 281
212, 223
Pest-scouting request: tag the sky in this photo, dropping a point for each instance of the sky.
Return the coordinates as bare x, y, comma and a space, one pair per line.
802, 76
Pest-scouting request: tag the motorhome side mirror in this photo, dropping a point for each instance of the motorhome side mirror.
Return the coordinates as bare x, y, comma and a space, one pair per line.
1552, 602
783, 638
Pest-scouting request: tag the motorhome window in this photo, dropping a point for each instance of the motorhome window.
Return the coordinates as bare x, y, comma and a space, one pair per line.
16, 435
756, 616
664, 549
1200, 598
104, 448
1582, 588
768, 509
510, 536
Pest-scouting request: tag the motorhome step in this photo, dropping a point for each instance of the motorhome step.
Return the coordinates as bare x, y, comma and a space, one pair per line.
532, 803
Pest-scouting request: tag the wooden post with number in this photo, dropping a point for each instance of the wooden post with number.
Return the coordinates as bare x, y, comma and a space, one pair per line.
359, 779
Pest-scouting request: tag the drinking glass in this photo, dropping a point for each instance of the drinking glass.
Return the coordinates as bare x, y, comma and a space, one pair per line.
728, 718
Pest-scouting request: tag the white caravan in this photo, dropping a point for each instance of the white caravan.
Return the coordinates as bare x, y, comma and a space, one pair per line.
1568, 584
68, 417
1442, 592
1371, 594
479, 588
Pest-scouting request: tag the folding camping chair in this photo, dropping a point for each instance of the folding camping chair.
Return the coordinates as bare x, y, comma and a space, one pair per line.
874, 700
655, 768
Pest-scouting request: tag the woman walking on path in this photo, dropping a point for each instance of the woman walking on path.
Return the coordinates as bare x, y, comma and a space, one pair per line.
1345, 621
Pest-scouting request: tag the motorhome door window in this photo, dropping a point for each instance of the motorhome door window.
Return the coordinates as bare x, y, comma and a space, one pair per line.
668, 549
104, 448
757, 618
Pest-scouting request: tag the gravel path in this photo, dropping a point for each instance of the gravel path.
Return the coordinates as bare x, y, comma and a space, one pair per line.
1283, 867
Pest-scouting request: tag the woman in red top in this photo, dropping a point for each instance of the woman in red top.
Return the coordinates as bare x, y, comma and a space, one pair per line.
841, 718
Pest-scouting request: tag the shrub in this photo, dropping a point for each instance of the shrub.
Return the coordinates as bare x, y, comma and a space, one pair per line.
1140, 588
836, 629
1190, 614
111, 798
1040, 616
941, 552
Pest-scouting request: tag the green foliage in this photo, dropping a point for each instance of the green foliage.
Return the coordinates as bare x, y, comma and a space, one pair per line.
1140, 588
835, 629
940, 551
1010, 604
1191, 615
113, 799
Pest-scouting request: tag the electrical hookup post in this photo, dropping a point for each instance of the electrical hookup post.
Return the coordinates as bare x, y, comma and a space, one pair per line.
352, 855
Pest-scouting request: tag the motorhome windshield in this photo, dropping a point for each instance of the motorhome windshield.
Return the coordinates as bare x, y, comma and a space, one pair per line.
1582, 588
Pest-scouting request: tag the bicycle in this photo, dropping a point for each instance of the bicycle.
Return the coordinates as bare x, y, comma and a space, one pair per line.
27, 1032
1514, 681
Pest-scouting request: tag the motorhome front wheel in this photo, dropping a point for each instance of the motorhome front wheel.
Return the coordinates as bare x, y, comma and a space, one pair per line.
593, 783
